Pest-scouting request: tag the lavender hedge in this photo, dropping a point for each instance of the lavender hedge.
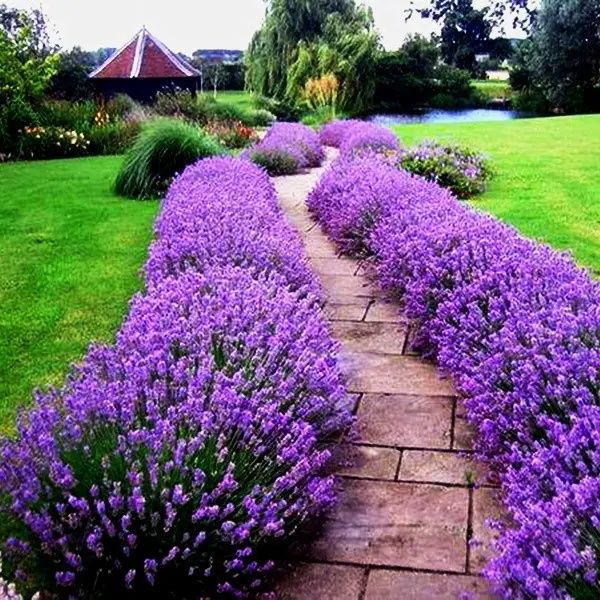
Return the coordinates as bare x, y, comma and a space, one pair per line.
517, 325
288, 148
176, 462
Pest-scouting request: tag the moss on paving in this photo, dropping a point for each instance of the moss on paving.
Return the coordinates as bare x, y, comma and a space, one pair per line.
70, 256
547, 181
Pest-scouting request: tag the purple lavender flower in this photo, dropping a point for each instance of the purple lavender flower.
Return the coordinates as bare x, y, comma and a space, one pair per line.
194, 445
517, 325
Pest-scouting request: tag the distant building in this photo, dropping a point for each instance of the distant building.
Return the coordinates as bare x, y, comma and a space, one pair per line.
143, 67
225, 57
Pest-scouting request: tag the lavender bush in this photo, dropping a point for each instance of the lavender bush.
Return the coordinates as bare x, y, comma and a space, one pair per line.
334, 132
288, 148
517, 325
364, 137
175, 463
461, 170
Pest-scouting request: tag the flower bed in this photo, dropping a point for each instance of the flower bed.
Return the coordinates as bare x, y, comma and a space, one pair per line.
517, 325
464, 172
287, 148
179, 460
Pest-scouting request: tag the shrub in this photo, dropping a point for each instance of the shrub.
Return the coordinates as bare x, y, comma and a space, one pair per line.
255, 237
113, 138
163, 149
285, 143
368, 137
261, 117
179, 461
461, 170
275, 162
51, 142
332, 134
516, 324
232, 134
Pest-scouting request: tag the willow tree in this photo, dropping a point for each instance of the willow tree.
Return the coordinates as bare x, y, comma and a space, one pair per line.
306, 39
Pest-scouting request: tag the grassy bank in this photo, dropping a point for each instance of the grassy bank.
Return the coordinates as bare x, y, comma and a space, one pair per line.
546, 180
70, 254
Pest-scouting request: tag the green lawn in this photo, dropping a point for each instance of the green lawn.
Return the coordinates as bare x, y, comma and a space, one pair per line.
241, 99
70, 254
547, 176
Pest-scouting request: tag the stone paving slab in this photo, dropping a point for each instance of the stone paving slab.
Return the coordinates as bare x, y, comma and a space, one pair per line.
383, 338
368, 462
402, 585
485, 506
396, 524
321, 582
388, 374
440, 467
347, 309
334, 266
405, 421
383, 312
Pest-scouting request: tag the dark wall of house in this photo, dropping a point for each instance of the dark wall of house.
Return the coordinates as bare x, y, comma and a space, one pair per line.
143, 90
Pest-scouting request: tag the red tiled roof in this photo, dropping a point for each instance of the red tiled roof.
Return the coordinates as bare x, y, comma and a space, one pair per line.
144, 56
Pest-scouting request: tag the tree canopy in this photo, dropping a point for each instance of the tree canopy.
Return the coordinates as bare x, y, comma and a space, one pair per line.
307, 39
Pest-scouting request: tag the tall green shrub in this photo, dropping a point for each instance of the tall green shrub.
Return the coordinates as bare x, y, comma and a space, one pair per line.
163, 149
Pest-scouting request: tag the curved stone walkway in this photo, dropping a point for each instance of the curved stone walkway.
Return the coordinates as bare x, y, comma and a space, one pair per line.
409, 523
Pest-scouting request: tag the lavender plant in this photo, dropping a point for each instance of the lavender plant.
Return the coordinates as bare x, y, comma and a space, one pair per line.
517, 325
286, 148
333, 133
176, 462
367, 137
461, 170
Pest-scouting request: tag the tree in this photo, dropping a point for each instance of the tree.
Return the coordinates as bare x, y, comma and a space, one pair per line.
523, 12
307, 39
564, 58
406, 78
465, 33
28, 30
214, 72
70, 82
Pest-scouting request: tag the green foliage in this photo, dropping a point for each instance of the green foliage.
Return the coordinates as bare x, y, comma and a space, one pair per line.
51, 142
458, 168
406, 79
70, 255
564, 57
275, 162
25, 70
306, 39
465, 33
455, 89
163, 149
70, 82
113, 138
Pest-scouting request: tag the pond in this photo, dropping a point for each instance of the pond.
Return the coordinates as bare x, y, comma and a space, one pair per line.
448, 116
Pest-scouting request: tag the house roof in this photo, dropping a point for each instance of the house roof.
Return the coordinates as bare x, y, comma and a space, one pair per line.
143, 56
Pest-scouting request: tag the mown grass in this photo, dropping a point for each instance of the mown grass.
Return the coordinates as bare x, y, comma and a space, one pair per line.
241, 99
546, 181
70, 255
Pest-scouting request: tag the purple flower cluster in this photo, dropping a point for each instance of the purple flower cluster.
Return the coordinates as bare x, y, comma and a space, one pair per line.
517, 325
333, 133
291, 142
458, 169
357, 137
178, 460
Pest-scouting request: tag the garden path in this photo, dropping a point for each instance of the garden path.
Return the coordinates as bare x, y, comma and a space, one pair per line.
408, 524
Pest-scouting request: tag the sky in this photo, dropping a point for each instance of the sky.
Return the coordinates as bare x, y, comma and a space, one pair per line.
186, 25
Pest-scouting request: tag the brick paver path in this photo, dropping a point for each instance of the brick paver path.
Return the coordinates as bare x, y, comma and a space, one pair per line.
408, 524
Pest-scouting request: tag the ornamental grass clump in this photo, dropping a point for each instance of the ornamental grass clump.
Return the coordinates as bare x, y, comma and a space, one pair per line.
163, 149
178, 462
288, 148
517, 325
461, 170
